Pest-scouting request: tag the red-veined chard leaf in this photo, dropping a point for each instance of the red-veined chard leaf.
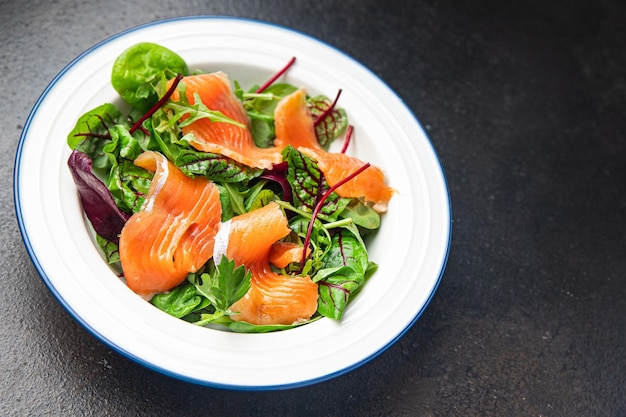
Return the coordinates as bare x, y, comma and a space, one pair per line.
91, 133
214, 166
332, 125
278, 174
110, 250
309, 185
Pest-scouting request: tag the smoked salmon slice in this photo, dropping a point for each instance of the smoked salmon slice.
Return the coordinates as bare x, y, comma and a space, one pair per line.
174, 232
272, 298
293, 122
235, 142
283, 253
369, 185
295, 127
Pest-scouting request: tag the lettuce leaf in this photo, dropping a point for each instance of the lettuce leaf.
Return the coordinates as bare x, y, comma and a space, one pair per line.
98, 203
91, 133
332, 125
308, 185
343, 272
138, 70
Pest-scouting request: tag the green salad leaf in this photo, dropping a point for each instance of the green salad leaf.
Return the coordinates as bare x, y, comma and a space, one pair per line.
138, 70
308, 184
91, 133
333, 227
245, 327
179, 302
333, 123
109, 249
343, 272
223, 285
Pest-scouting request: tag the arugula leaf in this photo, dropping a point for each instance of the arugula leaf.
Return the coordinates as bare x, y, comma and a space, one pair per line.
195, 112
235, 198
218, 168
223, 285
240, 198
166, 135
260, 199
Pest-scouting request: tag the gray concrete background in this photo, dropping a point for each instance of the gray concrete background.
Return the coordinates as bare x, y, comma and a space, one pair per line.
523, 101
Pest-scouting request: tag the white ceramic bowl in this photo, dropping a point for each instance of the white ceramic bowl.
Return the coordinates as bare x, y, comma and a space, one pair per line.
411, 247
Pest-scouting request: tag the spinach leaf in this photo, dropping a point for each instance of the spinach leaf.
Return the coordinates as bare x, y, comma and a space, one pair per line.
343, 272
137, 71
245, 327
362, 215
180, 301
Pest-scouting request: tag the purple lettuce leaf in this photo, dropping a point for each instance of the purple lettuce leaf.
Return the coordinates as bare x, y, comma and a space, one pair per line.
105, 217
278, 174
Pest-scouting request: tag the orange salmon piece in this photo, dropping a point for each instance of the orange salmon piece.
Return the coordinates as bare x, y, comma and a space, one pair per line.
284, 253
295, 127
369, 184
272, 298
223, 138
294, 123
174, 232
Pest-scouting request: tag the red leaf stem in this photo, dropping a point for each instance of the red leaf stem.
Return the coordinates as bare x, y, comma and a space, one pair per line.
158, 104
318, 207
346, 141
278, 74
328, 110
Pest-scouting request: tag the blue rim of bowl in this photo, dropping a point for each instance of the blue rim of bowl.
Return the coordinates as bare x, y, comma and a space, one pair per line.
138, 359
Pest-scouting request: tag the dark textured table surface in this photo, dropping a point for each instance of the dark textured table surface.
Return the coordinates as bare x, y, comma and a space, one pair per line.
525, 104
